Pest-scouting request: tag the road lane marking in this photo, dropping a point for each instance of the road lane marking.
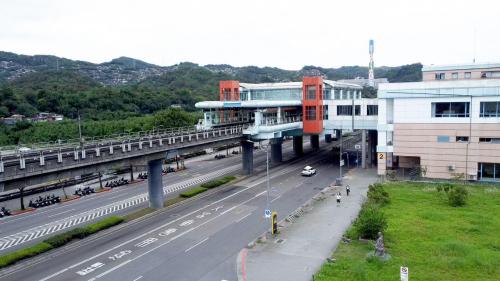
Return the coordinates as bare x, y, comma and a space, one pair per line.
250, 186
242, 218
89, 269
110, 270
53, 275
54, 215
186, 223
275, 199
229, 210
24, 236
197, 244
113, 197
167, 232
138, 278
263, 192
146, 242
173, 238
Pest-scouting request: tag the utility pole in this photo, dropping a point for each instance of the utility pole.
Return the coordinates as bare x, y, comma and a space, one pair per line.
340, 156
80, 129
353, 111
267, 176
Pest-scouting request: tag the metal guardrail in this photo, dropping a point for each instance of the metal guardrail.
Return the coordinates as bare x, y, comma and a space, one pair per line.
120, 139
283, 120
76, 141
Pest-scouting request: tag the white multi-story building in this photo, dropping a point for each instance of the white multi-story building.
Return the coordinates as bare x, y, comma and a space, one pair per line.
446, 128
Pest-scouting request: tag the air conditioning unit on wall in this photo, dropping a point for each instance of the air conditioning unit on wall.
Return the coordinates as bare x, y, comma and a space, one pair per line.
451, 167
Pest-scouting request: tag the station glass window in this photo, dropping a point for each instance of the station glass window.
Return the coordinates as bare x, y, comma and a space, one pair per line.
310, 113
325, 112
311, 93
489, 109
337, 94
450, 109
357, 110
372, 110
344, 110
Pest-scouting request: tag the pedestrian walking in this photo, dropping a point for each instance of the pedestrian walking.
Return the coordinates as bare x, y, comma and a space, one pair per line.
347, 190
338, 198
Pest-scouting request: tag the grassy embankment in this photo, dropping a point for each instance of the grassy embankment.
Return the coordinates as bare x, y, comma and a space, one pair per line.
436, 241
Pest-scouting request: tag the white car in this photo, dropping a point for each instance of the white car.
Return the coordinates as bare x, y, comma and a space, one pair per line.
308, 171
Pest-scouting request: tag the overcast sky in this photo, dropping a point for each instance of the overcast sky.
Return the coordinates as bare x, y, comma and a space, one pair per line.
286, 34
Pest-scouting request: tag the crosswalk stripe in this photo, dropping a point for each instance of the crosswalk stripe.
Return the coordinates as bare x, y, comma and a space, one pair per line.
46, 229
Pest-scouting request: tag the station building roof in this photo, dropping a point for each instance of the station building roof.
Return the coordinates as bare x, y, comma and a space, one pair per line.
450, 67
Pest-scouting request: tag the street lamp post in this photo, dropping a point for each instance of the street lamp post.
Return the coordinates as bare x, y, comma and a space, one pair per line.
340, 156
268, 204
80, 130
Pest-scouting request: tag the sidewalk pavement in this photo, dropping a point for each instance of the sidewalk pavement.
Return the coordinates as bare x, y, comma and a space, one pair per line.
303, 245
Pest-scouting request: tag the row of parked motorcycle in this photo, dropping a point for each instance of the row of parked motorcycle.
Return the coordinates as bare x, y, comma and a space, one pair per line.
85, 191
116, 183
168, 170
222, 156
4, 212
45, 201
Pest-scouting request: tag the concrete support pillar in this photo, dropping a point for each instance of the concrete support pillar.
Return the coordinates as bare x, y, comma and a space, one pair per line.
363, 149
328, 138
337, 134
315, 142
2, 186
276, 150
298, 149
258, 118
155, 184
131, 173
247, 157
372, 135
100, 180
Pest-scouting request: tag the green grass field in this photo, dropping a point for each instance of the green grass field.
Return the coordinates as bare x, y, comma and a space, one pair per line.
436, 241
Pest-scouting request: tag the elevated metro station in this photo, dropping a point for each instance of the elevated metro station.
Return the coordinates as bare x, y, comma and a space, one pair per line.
314, 107
445, 127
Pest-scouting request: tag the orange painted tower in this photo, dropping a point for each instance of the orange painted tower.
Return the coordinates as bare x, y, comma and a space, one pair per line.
312, 105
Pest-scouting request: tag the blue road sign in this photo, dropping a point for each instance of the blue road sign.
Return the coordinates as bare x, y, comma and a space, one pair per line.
267, 213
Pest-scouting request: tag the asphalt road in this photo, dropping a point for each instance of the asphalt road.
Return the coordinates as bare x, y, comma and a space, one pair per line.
195, 241
199, 170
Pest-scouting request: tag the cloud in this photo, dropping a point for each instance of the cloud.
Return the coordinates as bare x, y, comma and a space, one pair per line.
286, 34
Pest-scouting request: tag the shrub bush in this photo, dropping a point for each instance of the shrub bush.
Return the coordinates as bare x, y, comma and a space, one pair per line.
101, 225
457, 196
16, 256
212, 184
63, 238
82, 232
59, 240
219, 182
193, 192
445, 186
377, 194
371, 220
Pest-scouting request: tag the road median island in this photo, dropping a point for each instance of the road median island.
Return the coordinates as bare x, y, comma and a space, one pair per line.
78, 233
58, 240
206, 186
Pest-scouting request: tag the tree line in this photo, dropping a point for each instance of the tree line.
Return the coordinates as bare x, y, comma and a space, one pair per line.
25, 133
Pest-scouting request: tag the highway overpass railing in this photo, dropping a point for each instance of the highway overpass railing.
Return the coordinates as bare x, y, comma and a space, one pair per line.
39, 158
